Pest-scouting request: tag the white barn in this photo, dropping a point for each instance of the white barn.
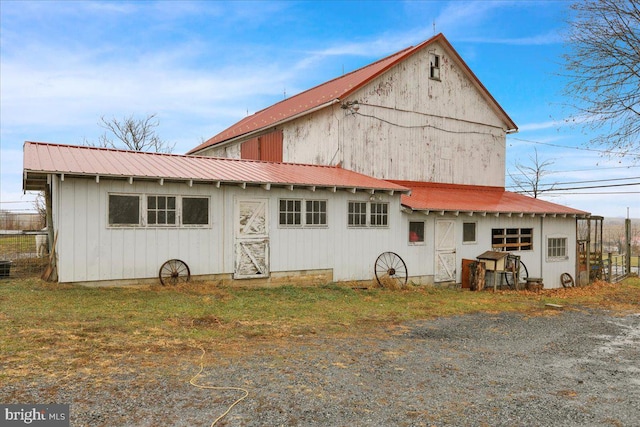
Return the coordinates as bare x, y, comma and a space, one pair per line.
409, 156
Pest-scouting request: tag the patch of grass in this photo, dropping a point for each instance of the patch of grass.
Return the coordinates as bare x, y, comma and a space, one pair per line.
52, 329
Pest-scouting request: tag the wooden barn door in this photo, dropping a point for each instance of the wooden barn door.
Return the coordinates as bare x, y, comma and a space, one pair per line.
251, 239
445, 251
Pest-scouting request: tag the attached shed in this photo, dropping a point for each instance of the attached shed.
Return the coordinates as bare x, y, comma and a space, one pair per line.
467, 220
119, 215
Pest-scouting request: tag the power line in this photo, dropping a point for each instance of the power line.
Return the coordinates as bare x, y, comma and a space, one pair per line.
584, 188
551, 193
619, 153
580, 182
599, 168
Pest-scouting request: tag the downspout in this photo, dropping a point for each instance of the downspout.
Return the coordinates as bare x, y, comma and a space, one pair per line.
542, 248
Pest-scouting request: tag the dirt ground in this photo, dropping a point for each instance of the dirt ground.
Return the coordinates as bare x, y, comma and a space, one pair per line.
576, 367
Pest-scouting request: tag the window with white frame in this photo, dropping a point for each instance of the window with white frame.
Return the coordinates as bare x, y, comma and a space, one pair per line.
195, 211
368, 214
316, 212
290, 212
357, 214
512, 239
161, 210
151, 210
557, 248
124, 210
379, 214
469, 232
303, 213
416, 232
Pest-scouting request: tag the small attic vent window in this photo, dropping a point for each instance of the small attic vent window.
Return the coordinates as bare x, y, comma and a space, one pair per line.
434, 66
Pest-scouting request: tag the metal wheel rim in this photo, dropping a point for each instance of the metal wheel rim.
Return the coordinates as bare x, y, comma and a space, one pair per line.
523, 274
390, 266
566, 280
173, 272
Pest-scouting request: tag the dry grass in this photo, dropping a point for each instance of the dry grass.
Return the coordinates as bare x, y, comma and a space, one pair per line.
52, 330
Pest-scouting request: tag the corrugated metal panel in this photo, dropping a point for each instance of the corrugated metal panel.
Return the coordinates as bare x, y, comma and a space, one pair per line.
338, 88
250, 150
41, 158
266, 147
271, 146
472, 198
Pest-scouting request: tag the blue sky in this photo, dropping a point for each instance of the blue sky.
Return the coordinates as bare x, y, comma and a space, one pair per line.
201, 66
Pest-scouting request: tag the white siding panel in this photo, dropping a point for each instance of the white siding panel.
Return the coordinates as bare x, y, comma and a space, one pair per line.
90, 250
408, 127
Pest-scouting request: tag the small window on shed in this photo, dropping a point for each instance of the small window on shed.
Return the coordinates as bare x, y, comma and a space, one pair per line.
469, 232
161, 210
357, 215
124, 210
290, 212
195, 211
416, 232
434, 66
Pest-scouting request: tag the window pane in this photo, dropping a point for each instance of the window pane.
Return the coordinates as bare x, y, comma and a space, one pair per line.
357, 214
379, 213
161, 202
416, 232
124, 210
195, 210
469, 232
316, 212
290, 212
162, 217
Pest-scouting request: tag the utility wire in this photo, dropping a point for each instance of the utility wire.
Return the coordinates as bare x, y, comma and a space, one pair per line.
586, 188
619, 153
580, 182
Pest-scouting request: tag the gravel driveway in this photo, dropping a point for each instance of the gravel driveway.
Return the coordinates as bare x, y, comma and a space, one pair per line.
578, 367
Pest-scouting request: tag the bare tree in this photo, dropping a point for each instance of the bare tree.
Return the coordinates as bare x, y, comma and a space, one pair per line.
132, 134
603, 67
528, 180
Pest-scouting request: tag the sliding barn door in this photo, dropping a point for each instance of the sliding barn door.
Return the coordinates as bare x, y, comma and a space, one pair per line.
251, 239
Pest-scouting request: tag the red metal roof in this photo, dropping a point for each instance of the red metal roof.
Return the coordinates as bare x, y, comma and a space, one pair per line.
335, 90
478, 199
42, 158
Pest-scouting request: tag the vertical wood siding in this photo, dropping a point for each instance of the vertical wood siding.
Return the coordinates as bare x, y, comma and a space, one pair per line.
408, 127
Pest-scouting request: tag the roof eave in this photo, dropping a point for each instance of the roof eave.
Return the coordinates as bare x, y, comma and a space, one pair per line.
38, 180
521, 214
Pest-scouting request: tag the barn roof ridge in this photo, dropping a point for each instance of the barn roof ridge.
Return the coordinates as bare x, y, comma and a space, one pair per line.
332, 91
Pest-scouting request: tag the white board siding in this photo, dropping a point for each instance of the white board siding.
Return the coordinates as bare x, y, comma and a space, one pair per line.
89, 250
409, 127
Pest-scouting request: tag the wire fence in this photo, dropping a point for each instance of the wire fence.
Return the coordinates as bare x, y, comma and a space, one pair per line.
23, 253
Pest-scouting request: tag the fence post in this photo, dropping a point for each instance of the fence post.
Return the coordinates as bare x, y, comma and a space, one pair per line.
627, 229
608, 278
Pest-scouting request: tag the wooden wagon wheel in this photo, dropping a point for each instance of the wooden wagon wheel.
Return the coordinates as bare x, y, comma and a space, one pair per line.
173, 272
389, 267
567, 280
